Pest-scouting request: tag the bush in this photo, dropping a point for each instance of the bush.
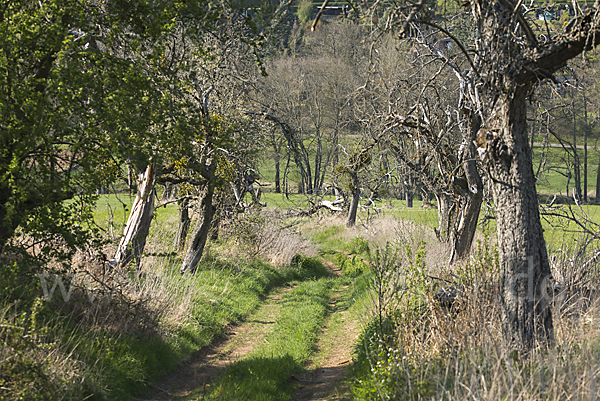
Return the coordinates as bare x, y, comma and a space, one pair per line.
309, 266
358, 245
351, 267
305, 13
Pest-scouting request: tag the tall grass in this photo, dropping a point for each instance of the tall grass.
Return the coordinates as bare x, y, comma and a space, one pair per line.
416, 348
120, 330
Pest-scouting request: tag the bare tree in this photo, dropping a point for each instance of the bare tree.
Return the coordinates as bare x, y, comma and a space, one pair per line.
312, 92
132, 243
425, 108
507, 62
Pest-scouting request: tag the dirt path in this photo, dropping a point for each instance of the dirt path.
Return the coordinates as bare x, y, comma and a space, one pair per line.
206, 363
325, 379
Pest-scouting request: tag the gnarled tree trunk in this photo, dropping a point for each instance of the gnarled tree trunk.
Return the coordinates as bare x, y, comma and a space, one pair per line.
525, 269
136, 230
470, 196
201, 231
184, 224
351, 220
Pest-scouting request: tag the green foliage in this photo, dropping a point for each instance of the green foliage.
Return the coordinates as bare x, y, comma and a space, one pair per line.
415, 272
309, 266
246, 230
375, 359
85, 91
23, 376
305, 11
358, 245
400, 286
351, 267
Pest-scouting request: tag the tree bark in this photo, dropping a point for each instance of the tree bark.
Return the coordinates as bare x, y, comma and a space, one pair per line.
465, 224
351, 221
184, 224
200, 234
598, 184
444, 206
585, 149
408, 191
524, 265
132, 244
470, 196
277, 178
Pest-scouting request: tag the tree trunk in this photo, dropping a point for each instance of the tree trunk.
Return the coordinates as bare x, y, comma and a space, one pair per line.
470, 196
576, 161
168, 192
598, 184
585, 149
214, 226
465, 224
354, 201
444, 206
277, 178
200, 234
136, 230
408, 191
184, 224
524, 266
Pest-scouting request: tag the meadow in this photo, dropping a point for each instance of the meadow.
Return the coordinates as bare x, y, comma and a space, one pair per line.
120, 334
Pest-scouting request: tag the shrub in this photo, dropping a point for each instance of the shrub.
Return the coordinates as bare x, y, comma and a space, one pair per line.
351, 267
309, 266
358, 245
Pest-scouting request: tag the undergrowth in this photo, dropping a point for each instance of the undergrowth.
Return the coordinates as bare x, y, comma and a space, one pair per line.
415, 347
99, 334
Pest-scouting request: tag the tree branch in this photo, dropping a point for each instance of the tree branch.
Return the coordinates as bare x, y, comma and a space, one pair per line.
584, 35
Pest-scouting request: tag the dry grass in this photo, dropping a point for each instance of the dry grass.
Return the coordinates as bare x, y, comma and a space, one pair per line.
265, 233
457, 354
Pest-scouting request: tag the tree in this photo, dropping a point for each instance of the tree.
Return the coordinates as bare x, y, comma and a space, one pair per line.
202, 53
72, 104
507, 62
312, 91
428, 131
357, 161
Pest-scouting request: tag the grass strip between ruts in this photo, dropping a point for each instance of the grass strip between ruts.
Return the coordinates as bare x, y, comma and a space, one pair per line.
265, 373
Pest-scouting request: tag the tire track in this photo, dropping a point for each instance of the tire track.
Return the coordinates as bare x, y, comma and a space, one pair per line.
208, 362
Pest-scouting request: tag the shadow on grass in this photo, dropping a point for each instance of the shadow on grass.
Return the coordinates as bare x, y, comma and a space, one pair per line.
254, 378
322, 383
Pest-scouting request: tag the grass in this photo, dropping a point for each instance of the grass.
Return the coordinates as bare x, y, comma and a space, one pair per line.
553, 179
289, 345
124, 346
143, 325
265, 373
119, 331
419, 350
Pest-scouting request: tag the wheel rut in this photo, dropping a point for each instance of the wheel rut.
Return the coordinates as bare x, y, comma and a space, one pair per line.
326, 377
208, 362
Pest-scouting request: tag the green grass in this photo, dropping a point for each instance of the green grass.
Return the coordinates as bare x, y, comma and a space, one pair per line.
119, 343
553, 176
121, 363
265, 373
113, 209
